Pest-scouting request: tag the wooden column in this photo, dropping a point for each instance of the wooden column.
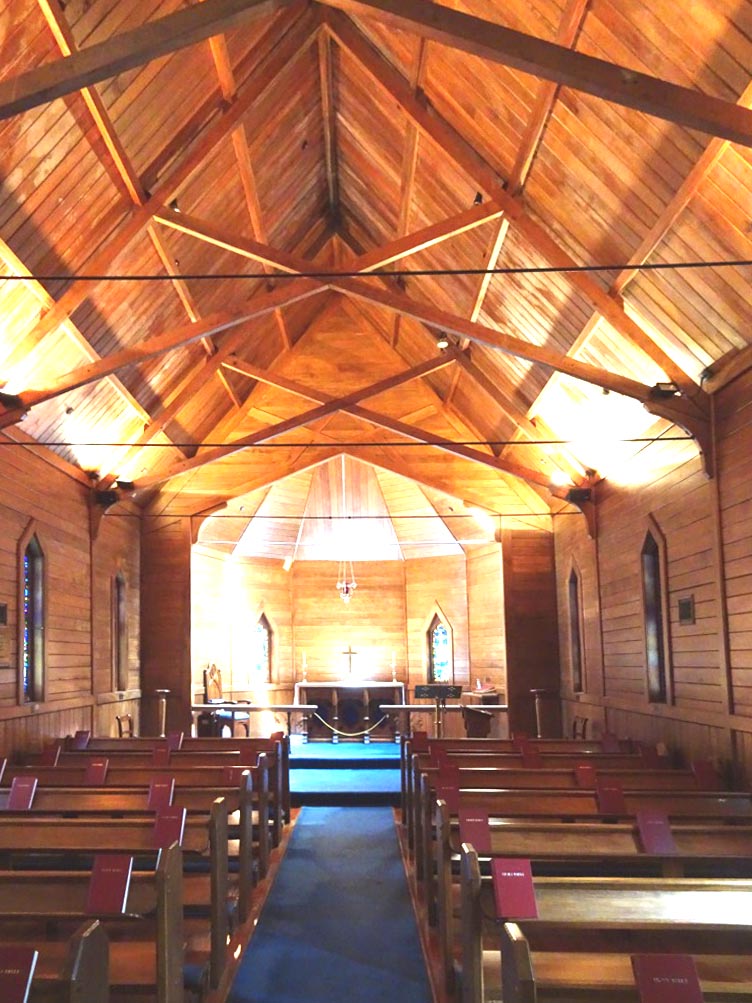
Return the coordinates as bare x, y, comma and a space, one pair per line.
532, 633
166, 621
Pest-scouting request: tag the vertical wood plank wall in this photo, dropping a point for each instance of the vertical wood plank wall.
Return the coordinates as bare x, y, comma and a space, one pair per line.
707, 526
531, 635
79, 690
166, 619
486, 630
433, 582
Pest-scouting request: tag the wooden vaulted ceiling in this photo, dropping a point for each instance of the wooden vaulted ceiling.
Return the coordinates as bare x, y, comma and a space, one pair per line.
192, 200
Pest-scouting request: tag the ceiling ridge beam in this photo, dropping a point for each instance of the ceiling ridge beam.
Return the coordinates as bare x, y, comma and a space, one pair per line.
547, 60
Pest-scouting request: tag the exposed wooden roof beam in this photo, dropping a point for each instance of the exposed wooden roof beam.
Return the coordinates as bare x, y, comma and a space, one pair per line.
372, 260
189, 304
329, 116
329, 405
272, 379
412, 141
682, 197
459, 150
460, 326
55, 18
229, 89
524, 425
63, 35
231, 343
295, 41
621, 85
128, 50
14, 413
569, 29
257, 306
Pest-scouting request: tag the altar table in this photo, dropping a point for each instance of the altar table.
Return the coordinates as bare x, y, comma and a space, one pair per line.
349, 709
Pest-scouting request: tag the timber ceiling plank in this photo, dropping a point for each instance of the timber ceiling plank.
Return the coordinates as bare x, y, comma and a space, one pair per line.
455, 146
579, 71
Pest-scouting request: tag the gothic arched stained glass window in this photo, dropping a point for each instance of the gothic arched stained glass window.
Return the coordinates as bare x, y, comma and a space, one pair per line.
440, 669
31, 683
653, 586
262, 666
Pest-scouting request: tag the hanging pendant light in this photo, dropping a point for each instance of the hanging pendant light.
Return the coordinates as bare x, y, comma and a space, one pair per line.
346, 583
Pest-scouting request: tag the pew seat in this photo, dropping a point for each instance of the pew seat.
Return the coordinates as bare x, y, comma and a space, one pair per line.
581, 920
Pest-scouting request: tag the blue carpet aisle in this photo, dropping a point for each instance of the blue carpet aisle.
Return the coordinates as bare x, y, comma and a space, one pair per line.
338, 925
324, 773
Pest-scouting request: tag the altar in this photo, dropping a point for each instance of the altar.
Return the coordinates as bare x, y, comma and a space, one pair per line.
349, 709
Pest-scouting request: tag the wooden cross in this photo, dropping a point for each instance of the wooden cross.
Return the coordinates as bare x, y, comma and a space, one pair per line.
349, 654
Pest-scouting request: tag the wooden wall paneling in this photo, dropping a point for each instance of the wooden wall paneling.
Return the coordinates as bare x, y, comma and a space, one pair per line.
532, 637
432, 582
166, 619
486, 626
575, 549
734, 430
372, 623
30, 490
262, 586
116, 549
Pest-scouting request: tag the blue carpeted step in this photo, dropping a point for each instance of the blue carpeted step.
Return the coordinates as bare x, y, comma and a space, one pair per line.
343, 763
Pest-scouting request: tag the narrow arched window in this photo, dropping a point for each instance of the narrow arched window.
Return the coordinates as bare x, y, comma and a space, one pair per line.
262, 667
31, 683
119, 633
439, 652
575, 631
655, 636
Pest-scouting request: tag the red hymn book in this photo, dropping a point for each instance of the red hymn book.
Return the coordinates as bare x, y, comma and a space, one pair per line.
17, 966
514, 890
108, 885
666, 978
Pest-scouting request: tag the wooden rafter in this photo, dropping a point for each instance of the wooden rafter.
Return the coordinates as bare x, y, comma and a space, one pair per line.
466, 157
377, 258
290, 47
130, 49
329, 405
257, 306
412, 142
242, 151
454, 324
231, 343
528, 54
329, 116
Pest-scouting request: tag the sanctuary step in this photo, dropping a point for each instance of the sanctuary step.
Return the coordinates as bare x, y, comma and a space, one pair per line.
344, 774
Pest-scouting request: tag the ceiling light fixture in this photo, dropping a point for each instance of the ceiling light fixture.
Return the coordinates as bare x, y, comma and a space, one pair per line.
346, 583
442, 342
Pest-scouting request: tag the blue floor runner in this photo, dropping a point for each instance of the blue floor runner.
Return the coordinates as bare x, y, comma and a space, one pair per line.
338, 924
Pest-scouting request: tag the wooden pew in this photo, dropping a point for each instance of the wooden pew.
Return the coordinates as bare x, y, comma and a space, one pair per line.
186, 780
559, 761
276, 748
146, 952
30, 840
570, 806
71, 970
576, 946
492, 746
563, 803
580, 849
